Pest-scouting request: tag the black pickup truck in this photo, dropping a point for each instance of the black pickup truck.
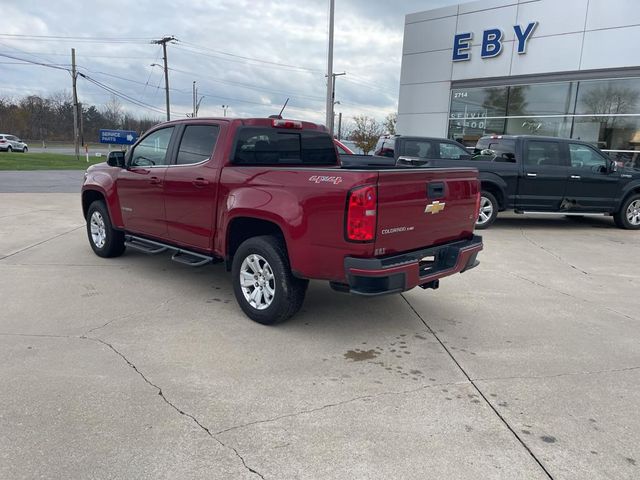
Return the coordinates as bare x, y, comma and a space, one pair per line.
531, 174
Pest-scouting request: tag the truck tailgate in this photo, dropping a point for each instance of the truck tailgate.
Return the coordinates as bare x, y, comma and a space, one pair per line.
424, 207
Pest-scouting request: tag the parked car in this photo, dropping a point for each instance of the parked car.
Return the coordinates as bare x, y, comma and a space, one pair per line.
531, 174
11, 143
269, 199
342, 148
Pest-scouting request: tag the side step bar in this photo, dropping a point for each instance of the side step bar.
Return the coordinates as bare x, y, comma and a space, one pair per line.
151, 247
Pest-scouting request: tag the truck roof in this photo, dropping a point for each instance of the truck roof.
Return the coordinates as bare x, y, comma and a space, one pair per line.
250, 122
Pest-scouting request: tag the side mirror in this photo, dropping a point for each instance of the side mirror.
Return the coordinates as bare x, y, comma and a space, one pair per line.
116, 159
612, 167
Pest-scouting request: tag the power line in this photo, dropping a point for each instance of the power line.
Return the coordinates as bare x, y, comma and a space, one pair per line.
252, 59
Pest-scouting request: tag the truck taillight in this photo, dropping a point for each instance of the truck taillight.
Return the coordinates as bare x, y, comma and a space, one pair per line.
279, 123
362, 213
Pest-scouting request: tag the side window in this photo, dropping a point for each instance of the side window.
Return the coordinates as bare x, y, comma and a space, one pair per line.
416, 148
450, 151
152, 150
197, 144
583, 156
543, 153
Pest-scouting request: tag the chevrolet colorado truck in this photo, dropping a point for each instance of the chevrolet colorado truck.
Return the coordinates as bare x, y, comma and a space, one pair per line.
269, 198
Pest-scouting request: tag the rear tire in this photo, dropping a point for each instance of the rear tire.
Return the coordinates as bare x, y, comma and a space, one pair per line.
9, 149
488, 210
263, 283
628, 217
25, 150
105, 240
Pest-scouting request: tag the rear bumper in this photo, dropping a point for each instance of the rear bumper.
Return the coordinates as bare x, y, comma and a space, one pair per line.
398, 273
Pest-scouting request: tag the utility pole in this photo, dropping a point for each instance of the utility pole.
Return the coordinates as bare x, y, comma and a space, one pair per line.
340, 126
194, 100
329, 106
333, 100
74, 78
163, 41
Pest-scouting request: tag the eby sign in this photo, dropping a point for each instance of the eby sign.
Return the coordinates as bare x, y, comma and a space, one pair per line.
491, 42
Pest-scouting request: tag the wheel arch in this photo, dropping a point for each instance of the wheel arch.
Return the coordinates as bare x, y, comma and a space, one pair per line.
497, 190
242, 228
632, 189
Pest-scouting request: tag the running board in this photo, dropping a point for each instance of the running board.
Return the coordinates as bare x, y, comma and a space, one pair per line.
578, 214
151, 247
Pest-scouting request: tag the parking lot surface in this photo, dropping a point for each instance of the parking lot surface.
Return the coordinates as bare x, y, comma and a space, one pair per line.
526, 367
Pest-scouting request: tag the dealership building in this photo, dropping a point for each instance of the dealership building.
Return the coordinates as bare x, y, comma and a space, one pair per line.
567, 68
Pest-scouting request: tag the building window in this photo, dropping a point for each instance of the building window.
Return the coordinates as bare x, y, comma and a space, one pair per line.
605, 113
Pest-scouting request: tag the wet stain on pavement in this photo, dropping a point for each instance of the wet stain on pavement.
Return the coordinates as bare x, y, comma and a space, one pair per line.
548, 439
630, 461
358, 355
526, 432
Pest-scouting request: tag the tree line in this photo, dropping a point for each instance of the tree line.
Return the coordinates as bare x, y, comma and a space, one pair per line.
45, 119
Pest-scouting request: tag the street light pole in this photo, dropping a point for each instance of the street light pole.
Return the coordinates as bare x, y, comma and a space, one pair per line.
329, 105
163, 41
224, 110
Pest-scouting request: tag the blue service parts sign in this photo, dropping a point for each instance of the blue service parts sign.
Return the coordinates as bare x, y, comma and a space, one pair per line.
120, 137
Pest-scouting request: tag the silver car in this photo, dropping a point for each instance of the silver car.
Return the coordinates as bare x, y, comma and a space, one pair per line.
11, 143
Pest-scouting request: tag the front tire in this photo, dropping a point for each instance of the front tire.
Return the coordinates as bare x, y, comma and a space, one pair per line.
105, 240
628, 217
263, 283
9, 149
25, 149
488, 210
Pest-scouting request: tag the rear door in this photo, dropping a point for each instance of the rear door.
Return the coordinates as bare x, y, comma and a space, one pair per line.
542, 183
592, 186
191, 186
424, 207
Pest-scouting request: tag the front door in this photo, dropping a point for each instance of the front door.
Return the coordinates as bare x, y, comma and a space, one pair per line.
191, 186
544, 176
592, 186
140, 185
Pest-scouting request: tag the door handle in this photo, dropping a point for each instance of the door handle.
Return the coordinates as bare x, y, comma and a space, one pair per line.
155, 181
575, 177
200, 182
532, 174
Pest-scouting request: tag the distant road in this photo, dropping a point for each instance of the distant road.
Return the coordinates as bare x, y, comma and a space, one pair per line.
68, 150
41, 181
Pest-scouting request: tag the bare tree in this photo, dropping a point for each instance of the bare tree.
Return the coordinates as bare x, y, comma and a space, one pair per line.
366, 132
112, 112
390, 122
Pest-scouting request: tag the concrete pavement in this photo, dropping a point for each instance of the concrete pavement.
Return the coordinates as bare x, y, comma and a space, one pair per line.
138, 367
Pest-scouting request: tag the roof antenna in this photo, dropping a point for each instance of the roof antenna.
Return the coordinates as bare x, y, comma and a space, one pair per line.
279, 116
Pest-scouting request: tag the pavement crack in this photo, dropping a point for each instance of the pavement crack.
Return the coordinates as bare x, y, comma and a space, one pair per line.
480, 392
565, 374
172, 405
332, 405
553, 254
36, 335
40, 243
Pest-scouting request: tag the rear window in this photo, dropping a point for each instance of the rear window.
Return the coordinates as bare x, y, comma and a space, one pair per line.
385, 147
271, 146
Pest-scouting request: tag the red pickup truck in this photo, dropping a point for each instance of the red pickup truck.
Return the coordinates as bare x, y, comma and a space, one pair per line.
269, 198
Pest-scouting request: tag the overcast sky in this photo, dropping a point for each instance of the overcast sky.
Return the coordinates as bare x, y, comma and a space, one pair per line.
212, 36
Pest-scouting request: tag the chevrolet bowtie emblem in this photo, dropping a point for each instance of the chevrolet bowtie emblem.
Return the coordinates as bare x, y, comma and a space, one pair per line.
434, 207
